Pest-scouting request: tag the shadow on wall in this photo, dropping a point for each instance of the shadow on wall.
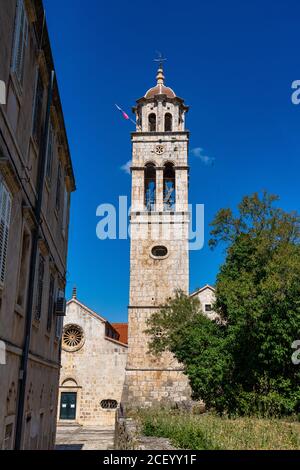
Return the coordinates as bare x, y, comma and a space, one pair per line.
69, 447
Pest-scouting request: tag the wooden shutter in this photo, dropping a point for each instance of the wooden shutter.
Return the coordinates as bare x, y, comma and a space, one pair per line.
5, 213
65, 213
50, 302
50, 152
58, 188
38, 107
20, 41
59, 319
40, 285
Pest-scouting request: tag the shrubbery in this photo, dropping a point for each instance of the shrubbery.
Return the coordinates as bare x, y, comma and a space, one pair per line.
243, 364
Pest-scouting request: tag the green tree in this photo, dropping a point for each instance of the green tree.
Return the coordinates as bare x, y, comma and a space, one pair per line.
243, 363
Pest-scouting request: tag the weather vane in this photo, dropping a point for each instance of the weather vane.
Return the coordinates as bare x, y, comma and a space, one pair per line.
160, 58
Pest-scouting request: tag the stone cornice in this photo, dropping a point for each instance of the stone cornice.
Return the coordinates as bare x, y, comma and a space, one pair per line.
43, 247
29, 216
8, 172
142, 168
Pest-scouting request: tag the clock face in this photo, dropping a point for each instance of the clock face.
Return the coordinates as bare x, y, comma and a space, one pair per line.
159, 150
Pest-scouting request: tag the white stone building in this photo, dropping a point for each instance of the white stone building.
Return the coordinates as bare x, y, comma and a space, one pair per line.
93, 368
206, 296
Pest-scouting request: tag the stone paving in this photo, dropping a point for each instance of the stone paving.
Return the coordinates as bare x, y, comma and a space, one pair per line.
84, 438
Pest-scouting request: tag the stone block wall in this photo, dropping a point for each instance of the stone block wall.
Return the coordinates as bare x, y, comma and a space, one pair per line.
96, 371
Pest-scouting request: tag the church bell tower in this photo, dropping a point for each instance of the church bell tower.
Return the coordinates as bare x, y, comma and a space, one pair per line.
159, 221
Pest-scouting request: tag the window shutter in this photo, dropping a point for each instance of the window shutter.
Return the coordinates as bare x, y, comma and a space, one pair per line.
37, 110
50, 152
58, 188
59, 319
65, 213
5, 213
59, 327
40, 285
20, 41
50, 302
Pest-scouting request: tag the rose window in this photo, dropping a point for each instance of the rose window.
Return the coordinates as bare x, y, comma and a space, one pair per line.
72, 338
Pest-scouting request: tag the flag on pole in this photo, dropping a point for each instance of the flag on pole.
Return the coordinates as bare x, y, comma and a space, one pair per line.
125, 116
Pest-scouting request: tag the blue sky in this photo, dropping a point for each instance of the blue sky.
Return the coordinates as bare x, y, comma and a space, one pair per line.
233, 62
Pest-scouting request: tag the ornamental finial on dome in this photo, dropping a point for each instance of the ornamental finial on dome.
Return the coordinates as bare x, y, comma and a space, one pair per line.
160, 88
160, 76
160, 73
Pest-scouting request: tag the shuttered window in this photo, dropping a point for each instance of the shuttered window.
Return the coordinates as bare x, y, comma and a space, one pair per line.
40, 286
38, 108
50, 302
20, 41
50, 153
59, 319
58, 189
5, 213
65, 213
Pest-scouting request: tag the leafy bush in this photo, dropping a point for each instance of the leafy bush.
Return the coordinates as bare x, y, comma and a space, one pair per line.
242, 365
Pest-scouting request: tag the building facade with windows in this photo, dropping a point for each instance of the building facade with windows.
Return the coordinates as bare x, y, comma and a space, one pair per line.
36, 181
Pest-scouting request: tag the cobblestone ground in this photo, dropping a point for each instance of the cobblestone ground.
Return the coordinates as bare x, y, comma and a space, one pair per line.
84, 438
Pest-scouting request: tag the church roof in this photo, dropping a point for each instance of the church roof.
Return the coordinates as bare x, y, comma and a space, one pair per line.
160, 90
122, 329
207, 286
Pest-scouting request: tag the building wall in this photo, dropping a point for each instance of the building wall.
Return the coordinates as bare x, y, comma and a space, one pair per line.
207, 296
19, 161
95, 371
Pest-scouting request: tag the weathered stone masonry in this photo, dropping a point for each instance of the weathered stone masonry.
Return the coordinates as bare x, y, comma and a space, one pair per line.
159, 220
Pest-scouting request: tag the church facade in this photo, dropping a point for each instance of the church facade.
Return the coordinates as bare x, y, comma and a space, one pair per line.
93, 367
94, 358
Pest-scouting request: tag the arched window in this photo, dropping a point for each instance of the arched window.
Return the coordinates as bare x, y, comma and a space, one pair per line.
169, 187
152, 122
150, 186
168, 122
69, 383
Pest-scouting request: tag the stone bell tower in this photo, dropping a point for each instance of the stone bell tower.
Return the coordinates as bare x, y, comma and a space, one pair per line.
159, 257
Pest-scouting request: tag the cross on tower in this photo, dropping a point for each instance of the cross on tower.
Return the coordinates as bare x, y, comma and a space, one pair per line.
160, 59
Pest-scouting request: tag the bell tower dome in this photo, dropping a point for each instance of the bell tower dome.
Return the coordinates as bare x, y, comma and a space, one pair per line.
160, 110
159, 223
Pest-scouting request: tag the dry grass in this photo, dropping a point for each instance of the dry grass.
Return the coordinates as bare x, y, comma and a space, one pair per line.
209, 431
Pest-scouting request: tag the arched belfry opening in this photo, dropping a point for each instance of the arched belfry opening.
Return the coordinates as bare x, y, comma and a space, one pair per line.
150, 186
169, 187
168, 122
152, 122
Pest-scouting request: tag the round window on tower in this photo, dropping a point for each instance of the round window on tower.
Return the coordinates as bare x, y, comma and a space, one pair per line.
72, 338
159, 150
159, 252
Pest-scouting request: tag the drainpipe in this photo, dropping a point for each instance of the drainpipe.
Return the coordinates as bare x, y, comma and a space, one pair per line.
32, 272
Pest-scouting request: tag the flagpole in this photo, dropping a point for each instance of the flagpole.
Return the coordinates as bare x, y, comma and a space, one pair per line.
123, 112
